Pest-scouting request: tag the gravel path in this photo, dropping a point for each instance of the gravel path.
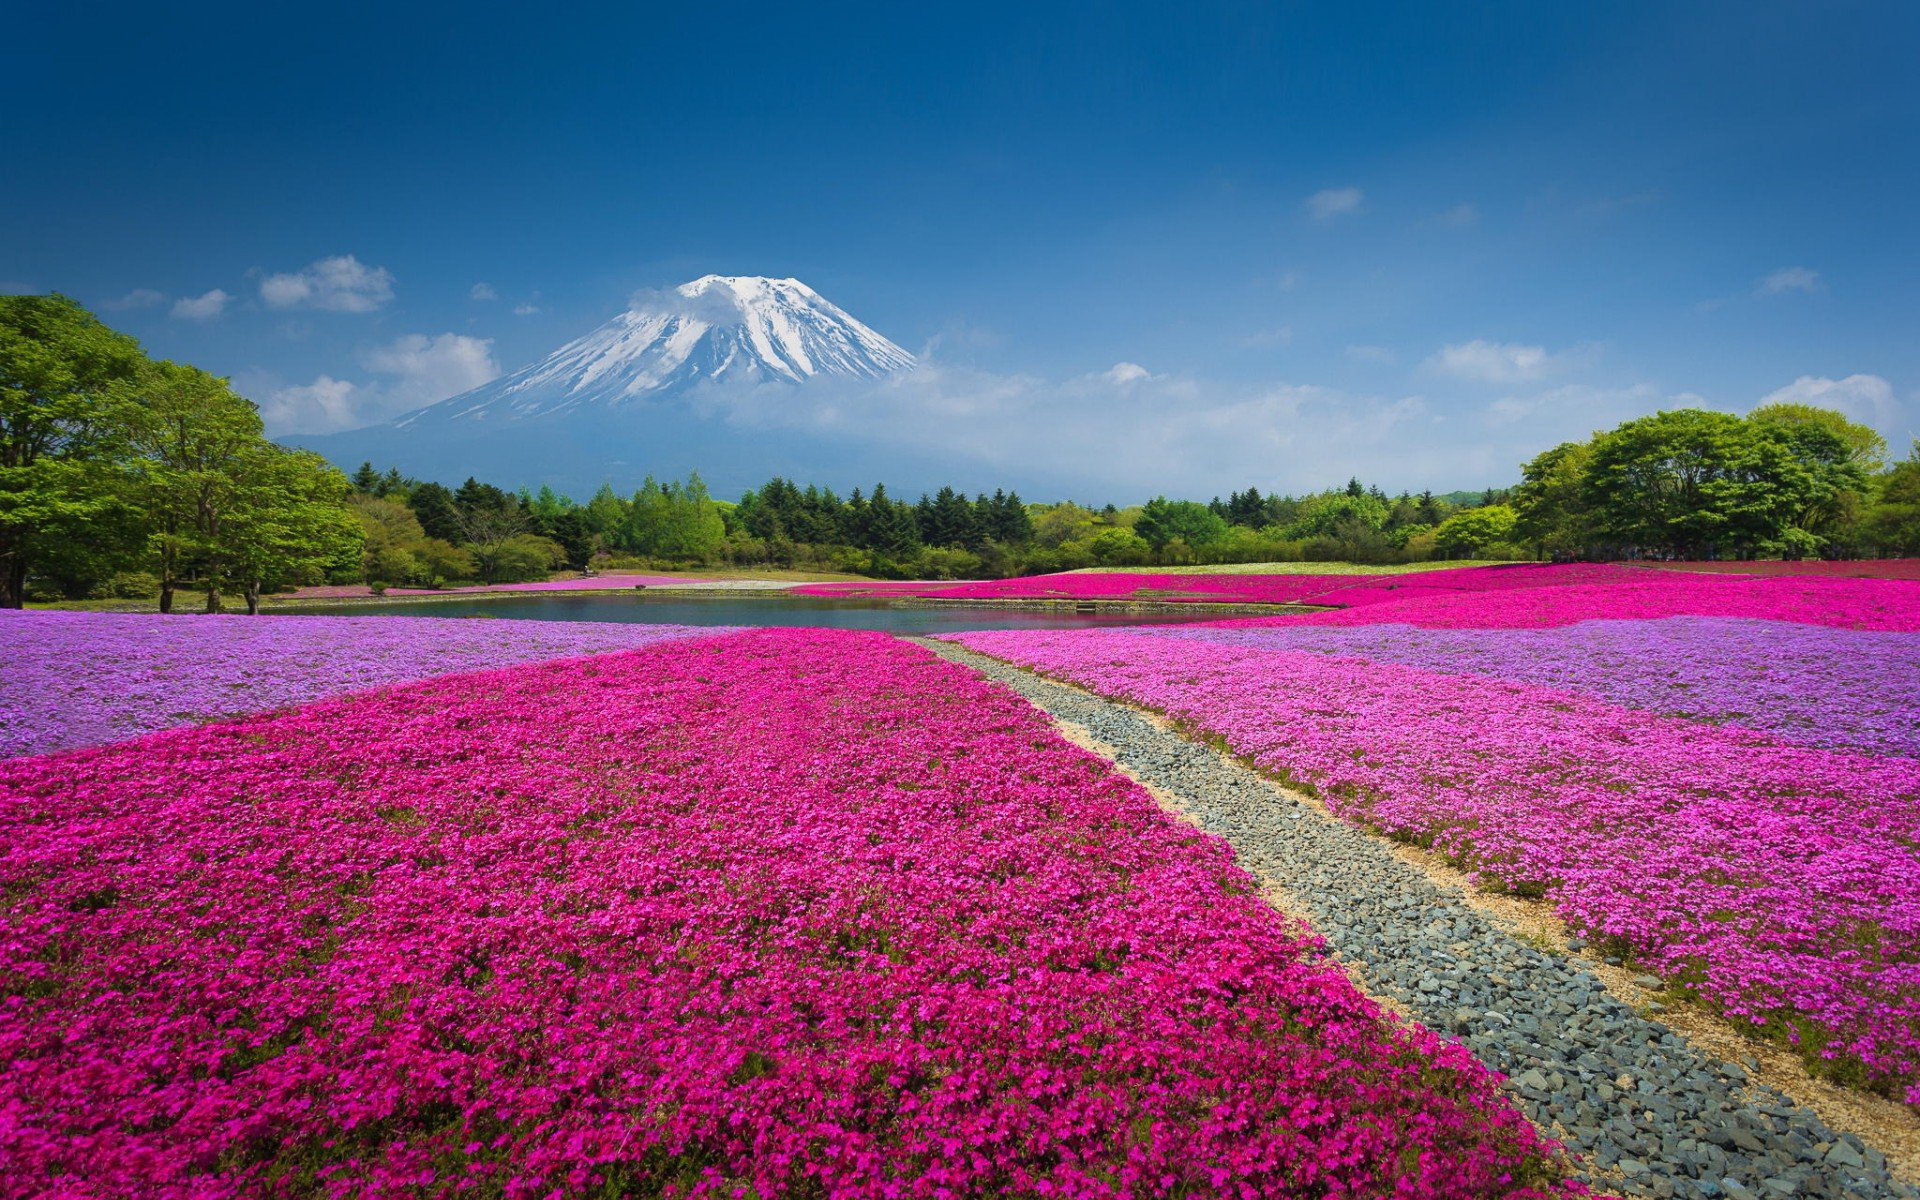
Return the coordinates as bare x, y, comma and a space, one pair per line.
1650, 1114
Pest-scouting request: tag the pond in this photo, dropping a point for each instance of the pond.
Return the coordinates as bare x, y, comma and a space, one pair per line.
749, 608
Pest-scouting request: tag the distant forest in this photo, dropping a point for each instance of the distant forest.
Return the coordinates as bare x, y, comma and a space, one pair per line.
424, 533
125, 477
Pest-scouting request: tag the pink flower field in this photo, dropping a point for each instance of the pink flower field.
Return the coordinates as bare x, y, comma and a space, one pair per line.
1473, 597
780, 912
1774, 877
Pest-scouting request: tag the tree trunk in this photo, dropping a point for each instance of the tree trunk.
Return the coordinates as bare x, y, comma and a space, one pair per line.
252, 593
213, 597
13, 583
166, 595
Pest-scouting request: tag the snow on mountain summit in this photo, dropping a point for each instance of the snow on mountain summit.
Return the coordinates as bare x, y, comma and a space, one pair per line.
717, 328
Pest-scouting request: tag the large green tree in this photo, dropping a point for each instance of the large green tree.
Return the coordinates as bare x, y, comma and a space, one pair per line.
1694, 483
288, 523
68, 388
194, 436
1550, 505
1163, 521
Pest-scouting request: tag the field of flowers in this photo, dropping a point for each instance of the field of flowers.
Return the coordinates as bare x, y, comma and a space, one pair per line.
788, 910
1526, 595
79, 679
1869, 568
1735, 803
1815, 686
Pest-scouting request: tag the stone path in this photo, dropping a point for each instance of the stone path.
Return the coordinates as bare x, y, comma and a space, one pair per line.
1648, 1113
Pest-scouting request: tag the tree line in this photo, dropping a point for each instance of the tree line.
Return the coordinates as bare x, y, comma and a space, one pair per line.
426, 534
120, 475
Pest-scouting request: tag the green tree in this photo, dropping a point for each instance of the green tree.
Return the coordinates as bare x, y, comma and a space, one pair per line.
521, 558
1893, 522
67, 402
675, 520
1864, 446
1837, 454
1692, 483
1550, 505
194, 437
891, 529
1119, 548
288, 523
439, 516
1337, 514
1164, 521
1475, 531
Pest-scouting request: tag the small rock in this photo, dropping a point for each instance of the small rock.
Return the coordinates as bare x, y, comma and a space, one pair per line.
1843, 1155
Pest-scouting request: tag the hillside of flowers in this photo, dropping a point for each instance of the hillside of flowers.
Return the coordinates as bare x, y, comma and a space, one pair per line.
1734, 803
781, 912
1496, 597
80, 679
1816, 686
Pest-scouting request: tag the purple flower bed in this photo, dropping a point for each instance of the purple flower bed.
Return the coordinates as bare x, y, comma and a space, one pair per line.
1834, 688
80, 679
1779, 883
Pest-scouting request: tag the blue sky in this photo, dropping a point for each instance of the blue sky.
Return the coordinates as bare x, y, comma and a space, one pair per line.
1445, 235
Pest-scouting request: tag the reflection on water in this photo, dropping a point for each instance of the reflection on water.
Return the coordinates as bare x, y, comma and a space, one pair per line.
749, 608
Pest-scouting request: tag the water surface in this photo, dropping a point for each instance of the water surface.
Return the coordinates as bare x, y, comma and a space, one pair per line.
749, 608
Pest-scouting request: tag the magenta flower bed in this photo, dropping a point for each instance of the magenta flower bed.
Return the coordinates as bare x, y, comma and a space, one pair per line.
1225, 588
1476, 597
79, 679
1864, 568
1841, 689
790, 911
1781, 883
1866, 604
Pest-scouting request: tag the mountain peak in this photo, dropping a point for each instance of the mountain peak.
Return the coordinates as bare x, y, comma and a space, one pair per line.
714, 329
744, 285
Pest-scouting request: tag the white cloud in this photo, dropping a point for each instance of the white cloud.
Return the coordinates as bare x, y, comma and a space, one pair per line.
1269, 339
201, 308
1370, 354
1575, 409
1481, 361
412, 372
339, 284
322, 406
482, 291
1288, 281
137, 298
1865, 398
1130, 430
1459, 216
1789, 279
424, 369
1328, 203
525, 310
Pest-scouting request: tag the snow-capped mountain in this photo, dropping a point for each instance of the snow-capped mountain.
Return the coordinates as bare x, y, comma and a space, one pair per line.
716, 329
688, 378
